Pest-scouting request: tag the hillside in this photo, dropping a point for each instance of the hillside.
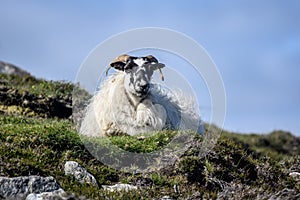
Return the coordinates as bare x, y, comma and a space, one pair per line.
38, 136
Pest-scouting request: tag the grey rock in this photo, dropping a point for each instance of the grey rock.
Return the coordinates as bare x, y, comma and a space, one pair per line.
239, 191
119, 187
195, 196
80, 173
166, 198
6, 68
20, 187
285, 194
295, 175
57, 194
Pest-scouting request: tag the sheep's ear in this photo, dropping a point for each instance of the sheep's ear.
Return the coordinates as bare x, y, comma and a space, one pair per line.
155, 62
118, 65
159, 66
120, 62
156, 65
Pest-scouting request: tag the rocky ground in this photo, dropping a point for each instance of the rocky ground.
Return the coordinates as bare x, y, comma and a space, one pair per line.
42, 156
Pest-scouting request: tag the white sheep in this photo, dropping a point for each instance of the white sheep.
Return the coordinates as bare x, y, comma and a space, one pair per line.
128, 103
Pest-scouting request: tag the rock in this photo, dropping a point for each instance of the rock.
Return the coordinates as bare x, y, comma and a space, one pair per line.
7, 68
20, 187
142, 182
176, 190
80, 173
195, 196
119, 187
166, 198
285, 194
295, 175
57, 194
142, 137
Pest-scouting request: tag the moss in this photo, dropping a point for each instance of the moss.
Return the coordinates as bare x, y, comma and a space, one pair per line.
17, 110
193, 168
159, 180
233, 162
148, 143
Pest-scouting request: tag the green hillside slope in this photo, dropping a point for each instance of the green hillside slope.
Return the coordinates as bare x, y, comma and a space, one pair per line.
37, 137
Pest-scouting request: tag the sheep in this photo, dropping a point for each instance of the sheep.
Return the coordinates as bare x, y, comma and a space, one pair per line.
129, 103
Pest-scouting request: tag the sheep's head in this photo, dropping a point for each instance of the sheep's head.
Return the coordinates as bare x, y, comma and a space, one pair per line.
139, 71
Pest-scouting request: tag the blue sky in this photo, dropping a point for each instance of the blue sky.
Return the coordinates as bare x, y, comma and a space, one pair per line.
255, 45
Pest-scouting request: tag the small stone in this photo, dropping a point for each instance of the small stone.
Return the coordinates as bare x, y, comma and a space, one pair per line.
176, 189
25, 102
80, 173
295, 175
10, 69
119, 187
166, 198
142, 137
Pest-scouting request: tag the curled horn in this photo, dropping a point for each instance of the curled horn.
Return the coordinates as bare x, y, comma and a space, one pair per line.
120, 59
154, 60
161, 74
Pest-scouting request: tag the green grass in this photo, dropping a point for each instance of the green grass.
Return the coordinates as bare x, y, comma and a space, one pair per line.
277, 144
151, 142
34, 141
38, 146
28, 96
34, 86
41, 147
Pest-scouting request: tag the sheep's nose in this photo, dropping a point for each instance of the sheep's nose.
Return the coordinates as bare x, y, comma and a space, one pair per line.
144, 86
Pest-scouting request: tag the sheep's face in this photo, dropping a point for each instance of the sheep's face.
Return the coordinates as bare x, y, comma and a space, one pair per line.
137, 78
139, 71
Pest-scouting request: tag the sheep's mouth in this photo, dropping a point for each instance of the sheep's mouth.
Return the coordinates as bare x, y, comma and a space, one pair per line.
142, 92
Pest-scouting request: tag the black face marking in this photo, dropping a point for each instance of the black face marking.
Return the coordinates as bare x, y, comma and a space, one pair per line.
149, 70
125, 62
139, 79
131, 78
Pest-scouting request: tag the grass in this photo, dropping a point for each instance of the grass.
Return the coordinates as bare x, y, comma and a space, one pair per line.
278, 144
38, 146
29, 96
34, 86
39, 142
150, 143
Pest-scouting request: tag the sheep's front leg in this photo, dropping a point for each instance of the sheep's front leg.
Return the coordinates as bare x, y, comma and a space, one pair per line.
152, 116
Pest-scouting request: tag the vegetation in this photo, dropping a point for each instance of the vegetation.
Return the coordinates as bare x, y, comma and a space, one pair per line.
39, 142
34, 97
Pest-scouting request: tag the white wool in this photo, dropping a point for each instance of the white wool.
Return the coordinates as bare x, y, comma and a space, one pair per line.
110, 112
